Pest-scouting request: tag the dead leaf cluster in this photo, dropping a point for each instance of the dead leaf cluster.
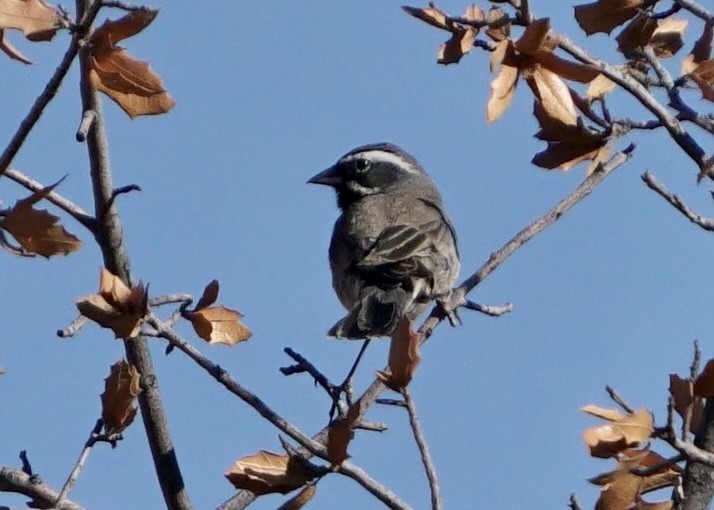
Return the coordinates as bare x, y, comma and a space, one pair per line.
116, 306
699, 66
619, 433
216, 324
36, 19
37, 231
623, 488
121, 388
131, 83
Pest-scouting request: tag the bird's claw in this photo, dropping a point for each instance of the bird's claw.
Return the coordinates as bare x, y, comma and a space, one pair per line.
450, 304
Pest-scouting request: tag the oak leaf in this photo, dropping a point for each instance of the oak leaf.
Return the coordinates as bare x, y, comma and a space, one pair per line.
340, 434
301, 499
131, 83
600, 86
701, 50
121, 388
267, 472
36, 19
704, 384
566, 155
460, 43
403, 357
682, 391
37, 231
605, 15
636, 34
554, 95
667, 37
503, 86
216, 324
116, 306
617, 435
602, 412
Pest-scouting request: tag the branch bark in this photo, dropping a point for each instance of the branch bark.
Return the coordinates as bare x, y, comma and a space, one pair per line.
15, 480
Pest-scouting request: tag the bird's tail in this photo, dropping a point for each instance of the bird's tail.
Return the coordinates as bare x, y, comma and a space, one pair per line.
375, 314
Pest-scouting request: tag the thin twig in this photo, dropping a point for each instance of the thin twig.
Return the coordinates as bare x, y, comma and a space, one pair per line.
304, 365
43, 496
573, 503
490, 310
677, 202
55, 198
426, 460
617, 398
696, 9
74, 474
71, 330
391, 402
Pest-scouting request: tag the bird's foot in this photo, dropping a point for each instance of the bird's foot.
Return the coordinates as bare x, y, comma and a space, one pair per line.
450, 304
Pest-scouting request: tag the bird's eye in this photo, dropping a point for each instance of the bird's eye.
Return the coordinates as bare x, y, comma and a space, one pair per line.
362, 165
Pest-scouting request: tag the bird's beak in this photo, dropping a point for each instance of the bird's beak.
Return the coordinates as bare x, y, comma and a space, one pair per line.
329, 177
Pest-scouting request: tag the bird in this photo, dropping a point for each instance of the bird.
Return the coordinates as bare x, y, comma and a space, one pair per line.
393, 249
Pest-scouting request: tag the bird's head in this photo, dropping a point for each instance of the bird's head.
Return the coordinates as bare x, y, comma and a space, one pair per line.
373, 169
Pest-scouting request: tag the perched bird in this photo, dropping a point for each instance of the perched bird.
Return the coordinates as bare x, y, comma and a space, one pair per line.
393, 248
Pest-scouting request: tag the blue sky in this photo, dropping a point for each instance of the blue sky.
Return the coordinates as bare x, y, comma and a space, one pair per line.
267, 95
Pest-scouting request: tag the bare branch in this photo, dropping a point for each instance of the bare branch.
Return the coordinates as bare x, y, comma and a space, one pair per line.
436, 503
677, 202
170, 299
88, 118
696, 9
43, 496
490, 310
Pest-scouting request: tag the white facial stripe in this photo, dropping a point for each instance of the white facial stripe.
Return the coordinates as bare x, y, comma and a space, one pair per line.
378, 155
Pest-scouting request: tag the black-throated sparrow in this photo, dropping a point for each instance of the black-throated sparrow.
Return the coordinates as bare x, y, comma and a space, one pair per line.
393, 248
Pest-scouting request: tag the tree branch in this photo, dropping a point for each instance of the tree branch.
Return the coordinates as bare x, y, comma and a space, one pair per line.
15, 480
677, 202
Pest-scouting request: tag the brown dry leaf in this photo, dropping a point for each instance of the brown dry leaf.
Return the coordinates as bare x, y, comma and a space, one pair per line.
662, 505
667, 38
630, 430
431, 15
37, 231
533, 36
301, 499
682, 391
567, 69
12, 52
267, 472
600, 86
116, 306
604, 15
499, 28
636, 34
460, 43
565, 155
602, 412
503, 86
121, 388
341, 433
704, 384
36, 19
474, 13
700, 76
403, 357
209, 296
553, 130
131, 83
621, 488
219, 325
554, 95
